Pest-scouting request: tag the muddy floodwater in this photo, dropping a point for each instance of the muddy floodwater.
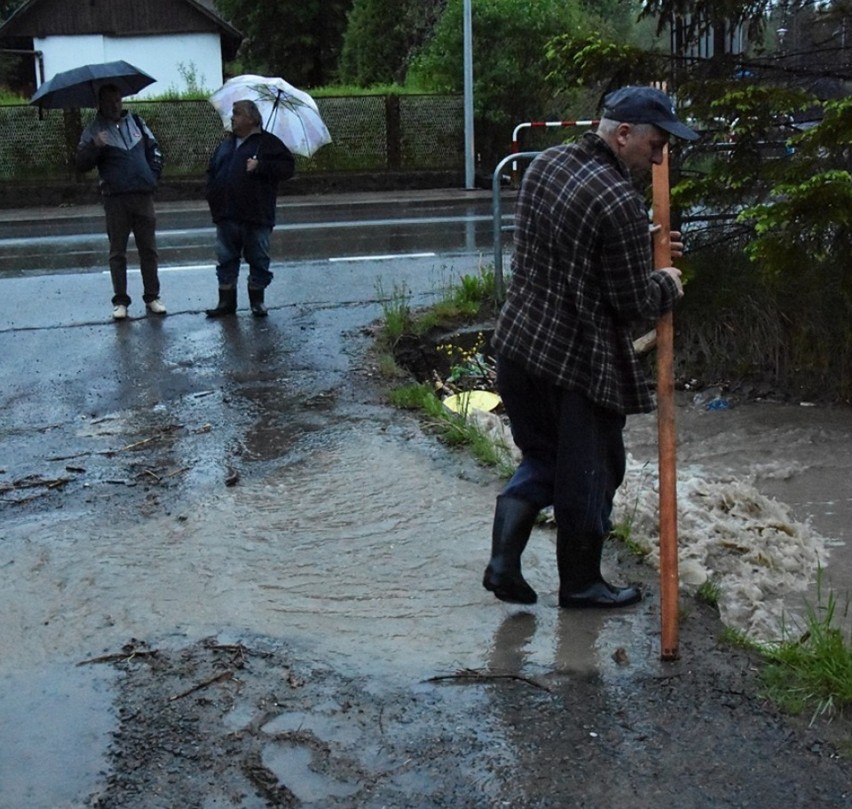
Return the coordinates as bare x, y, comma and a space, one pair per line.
239, 578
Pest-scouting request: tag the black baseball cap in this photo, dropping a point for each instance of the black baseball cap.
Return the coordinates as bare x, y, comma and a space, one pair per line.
645, 105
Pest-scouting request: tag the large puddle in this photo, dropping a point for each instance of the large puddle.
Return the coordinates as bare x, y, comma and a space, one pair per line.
366, 550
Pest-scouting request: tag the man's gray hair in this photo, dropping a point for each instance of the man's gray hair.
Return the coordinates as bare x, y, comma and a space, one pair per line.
607, 127
250, 109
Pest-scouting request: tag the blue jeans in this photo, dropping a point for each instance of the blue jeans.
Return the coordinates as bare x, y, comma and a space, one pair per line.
235, 240
573, 451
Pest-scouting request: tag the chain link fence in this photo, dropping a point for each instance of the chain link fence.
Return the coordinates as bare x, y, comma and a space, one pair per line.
370, 133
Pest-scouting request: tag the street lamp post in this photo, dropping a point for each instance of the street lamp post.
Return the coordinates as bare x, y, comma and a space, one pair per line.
469, 151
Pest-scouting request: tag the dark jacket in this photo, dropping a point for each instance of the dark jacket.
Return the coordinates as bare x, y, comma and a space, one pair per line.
582, 277
131, 161
243, 196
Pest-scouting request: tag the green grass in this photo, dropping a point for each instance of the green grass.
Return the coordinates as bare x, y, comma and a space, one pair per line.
174, 94
623, 528
7, 97
416, 396
738, 638
458, 302
396, 313
333, 91
461, 301
812, 672
708, 592
453, 429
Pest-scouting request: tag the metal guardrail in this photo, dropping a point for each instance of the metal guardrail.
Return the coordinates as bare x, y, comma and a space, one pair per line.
516, 133
498, 227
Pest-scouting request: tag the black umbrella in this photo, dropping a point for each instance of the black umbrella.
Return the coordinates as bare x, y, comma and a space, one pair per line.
79, 87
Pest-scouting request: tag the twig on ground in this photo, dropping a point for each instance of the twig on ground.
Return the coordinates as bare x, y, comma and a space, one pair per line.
125, 656
476, 675
237, 651
221, 677
68, 457
33, 482
136, 444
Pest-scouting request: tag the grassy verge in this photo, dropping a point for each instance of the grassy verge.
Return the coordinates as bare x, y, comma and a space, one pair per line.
812, 672
808, 671
453, 429
468, 368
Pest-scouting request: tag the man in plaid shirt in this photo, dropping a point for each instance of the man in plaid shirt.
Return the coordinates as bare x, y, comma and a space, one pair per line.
582, 279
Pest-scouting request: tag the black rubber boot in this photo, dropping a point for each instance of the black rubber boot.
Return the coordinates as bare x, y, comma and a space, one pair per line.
513, 524
227, 303
256, 302
581, 584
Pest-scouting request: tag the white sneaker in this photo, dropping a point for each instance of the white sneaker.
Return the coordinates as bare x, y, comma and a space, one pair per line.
156, 307
119, 312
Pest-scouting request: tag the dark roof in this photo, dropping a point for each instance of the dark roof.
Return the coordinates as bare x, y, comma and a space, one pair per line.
42, 18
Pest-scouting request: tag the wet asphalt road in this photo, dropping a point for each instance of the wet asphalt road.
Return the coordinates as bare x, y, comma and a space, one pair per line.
321, 227
257, 398
64, 358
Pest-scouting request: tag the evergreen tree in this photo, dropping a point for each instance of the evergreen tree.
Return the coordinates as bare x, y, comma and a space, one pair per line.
8, 7
773, 166
381, 36
300, 42
374, 44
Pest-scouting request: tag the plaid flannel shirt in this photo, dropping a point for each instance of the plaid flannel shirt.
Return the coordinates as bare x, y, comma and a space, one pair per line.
582, 277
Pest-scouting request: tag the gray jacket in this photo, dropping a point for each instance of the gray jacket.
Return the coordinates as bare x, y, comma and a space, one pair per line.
131, 160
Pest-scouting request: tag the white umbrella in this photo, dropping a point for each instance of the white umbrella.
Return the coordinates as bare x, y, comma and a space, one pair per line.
288, 113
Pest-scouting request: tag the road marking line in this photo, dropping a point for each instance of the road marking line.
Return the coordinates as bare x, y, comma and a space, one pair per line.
179, 268
386, 257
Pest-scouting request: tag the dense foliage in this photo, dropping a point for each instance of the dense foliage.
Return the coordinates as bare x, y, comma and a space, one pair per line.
382, 36
8, 7
299, 41
509, 61
770, 181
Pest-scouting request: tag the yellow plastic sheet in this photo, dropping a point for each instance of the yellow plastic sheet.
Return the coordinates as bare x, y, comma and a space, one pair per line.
469, 400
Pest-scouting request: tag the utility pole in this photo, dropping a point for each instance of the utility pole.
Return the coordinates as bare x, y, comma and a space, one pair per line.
469, 149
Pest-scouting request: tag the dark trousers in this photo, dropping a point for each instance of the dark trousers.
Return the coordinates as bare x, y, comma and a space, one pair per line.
235, 240
126, 214
573, 451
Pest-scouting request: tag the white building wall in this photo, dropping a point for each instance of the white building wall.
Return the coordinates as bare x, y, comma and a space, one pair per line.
170, 59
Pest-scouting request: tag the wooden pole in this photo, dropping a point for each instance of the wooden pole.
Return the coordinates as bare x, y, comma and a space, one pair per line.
666, 425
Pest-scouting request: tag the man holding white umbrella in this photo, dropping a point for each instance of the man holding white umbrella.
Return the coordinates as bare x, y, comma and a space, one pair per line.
244, 172
242, 188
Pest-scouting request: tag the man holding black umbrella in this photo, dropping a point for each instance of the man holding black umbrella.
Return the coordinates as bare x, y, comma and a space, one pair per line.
129, 162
